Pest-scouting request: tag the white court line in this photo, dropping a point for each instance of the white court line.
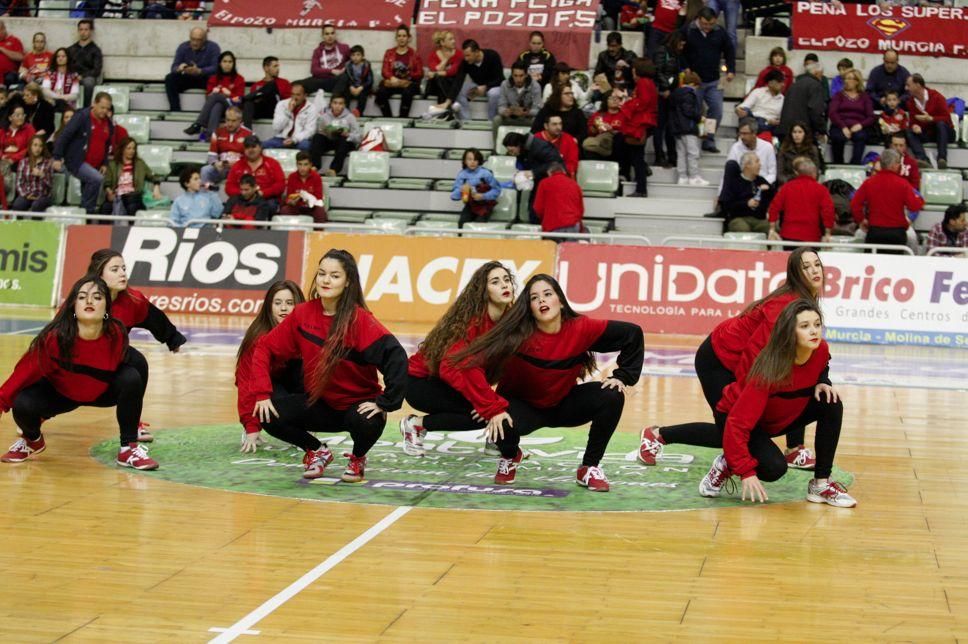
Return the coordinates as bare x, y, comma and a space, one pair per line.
270, 605
22, 331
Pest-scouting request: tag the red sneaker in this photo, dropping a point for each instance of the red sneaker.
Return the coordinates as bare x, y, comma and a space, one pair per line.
650, 448
144, 434
801, 458
315, 462
23, 449
592, 477
354, 469
412, 436
507, 468
136, 456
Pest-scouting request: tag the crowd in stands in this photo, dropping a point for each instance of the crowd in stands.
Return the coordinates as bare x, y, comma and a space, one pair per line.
672, 92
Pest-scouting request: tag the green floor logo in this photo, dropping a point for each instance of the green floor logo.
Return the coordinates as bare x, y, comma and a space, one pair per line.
455, 473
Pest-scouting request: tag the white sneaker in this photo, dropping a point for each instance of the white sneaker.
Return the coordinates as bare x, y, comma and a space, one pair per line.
683, 181
832, 493
712, 484
412, 438
698, 181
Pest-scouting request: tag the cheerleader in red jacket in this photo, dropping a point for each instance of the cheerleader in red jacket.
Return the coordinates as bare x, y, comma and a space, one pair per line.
132, 309
281, 298
451, 397
786, 389
77, 360
536, 353
342, 346
728, 353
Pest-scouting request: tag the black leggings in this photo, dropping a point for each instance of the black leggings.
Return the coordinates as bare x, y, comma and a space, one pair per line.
445, 407
40, 401
294, 415
137, 360
714, 377
771, 462
584, 403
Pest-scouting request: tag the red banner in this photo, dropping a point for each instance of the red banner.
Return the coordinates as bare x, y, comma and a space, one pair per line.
666, 290
192, 270
916, 31
503, 25
282, 14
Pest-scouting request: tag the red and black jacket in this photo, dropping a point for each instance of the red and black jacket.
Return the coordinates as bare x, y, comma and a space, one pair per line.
354, 379
133, 309
737, 341
244, 383
83, 379
547, 365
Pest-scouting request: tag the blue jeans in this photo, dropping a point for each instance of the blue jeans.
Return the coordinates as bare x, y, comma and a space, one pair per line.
91, 181
943, 133
711, 94
276, 142
493, 94
732, 9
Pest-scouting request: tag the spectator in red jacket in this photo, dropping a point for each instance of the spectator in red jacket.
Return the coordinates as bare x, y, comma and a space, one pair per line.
225, 89
909, 165
640, 115
304, 191
13, 147
402, 72
328, 62
260, 102
443, 64
778, 62
565, 143
878, 205
930, 121
267, 172
559, 204
802, 207
11, 55
226, 147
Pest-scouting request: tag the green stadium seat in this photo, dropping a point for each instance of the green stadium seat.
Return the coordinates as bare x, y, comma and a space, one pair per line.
292, 222
598, 178
157, 218
457, 154
69, 215
58, 190
331, 181
392, 133
421, 153
387, 226
286, 158
73, 191
368, 169
440, 216
158, 158
444, 185
402, 215
531, 231
406, 183
339, 216
502, 166
435, 124
430, 223
942, 187
744, 237
137, 125
507, 206
503, 130
481, 229
477, 125
595, 226
852, 174
120, 97
846, 244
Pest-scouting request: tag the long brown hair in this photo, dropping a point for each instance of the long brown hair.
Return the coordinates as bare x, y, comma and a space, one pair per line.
335, 349
64, 325
806, 147
774, 364
119, 153
795, 282
100, 259
44, 152
493, 349
471, 304
264, 322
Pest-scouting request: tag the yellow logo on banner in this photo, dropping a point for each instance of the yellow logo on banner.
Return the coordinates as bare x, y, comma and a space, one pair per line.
415, 279
889, 27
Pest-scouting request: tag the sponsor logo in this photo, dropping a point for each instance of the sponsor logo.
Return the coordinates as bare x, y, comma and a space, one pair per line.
889, 27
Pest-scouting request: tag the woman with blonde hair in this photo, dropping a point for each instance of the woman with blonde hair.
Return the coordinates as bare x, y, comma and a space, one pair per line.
851, 112
442, 66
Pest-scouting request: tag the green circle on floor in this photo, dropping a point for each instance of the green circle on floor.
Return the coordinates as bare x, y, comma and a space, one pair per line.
455, 473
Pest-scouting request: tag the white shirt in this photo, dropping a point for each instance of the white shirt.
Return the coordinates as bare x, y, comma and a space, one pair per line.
764, 151
762, 103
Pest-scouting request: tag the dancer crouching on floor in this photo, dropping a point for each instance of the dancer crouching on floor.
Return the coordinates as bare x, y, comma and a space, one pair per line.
341, 346
536, 353
457, 397
787, 388
77, 360
280, 300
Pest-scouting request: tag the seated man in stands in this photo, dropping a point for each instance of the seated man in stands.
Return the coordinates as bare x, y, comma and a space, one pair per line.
890, 75
304, 191
615, 63
952, 232
745, 196
225, 148
481, 74
294, 121
260, 102
338, 131
565, 143
328, 62
878, 205
535, 158
84, 146
268, 173
559, 203
195, 60
86, 59
802, 207
248, 204
930, 121
520, 98
539, 63
750, 142
764, 104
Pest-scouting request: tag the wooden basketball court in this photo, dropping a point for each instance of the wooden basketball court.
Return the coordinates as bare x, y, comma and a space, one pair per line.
94, 553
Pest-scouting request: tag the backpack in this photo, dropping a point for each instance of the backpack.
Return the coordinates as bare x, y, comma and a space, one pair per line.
374, 141
841, 193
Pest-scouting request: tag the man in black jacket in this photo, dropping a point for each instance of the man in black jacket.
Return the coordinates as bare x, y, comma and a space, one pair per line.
84, 146
805, 101
536, 157
615, 62
706, 44
86, 59
481, 74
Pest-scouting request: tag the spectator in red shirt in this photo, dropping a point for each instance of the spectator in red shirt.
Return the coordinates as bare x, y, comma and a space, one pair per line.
304, 191
260, 102
565, 143
11, 54
443, 65
402, 72
559, 205
225, 89
802, 207
225, 148
930, 120
666, 17
778, 60
328, 62
605, 125
640, 114
266, 170
83, 146
878, 205
34, 66
13, 146
909, 165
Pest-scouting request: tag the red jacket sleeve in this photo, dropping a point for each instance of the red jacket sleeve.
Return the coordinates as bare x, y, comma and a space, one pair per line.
238, 87
246, 396
740, 422
210, 85
29, 369
827, 212
761, 77
232, 181
388, 58
281, 343
776, 206
292, 184
858, 202
569, 152
277, 177
539, 199
471, 383
937, 107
